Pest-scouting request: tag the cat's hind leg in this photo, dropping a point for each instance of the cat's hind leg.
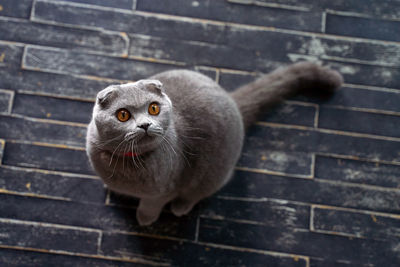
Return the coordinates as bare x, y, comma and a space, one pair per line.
150, 208
187, 199
181, 205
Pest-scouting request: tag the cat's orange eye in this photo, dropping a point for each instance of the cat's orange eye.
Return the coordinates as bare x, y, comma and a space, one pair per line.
154, 109
123, 115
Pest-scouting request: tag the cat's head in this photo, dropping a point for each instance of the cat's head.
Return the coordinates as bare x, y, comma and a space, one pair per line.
132, 117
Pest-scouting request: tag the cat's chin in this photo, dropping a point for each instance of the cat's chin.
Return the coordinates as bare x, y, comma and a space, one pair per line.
148, 143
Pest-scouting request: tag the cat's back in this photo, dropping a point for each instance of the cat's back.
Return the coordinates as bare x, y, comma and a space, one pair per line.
199, 99
203, 105
210, 126
178, 83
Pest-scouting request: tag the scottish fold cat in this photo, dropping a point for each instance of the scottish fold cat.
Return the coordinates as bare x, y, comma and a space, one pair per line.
177, 136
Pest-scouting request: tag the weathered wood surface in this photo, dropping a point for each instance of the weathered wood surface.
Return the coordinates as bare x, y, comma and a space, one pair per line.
318, 183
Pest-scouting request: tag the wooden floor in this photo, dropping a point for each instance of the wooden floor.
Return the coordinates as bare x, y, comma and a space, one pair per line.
318, 183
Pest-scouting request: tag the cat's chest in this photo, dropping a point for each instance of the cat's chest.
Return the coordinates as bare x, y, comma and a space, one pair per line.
143, 178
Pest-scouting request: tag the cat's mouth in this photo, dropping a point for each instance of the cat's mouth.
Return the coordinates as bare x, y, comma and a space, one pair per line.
141, 142
140, 138
135, 136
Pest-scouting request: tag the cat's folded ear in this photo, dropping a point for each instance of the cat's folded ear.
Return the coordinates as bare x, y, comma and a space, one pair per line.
153, 85
106, 95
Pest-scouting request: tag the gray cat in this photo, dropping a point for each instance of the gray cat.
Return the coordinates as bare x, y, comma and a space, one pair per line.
178, 135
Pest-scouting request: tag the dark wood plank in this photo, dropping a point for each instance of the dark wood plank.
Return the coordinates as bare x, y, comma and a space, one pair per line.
353, 223
362, 27
171, 251
123, 4
41, 236
52, 83
291, 163
94, 216
17, 9
53, 158
259, 186
232, 12
358, 121
78, 63
359, 172
365, 99
25, 31
50, 185
19, 257
264, 138
6, 98
10, 56
271, 212
299, 242
376, 8
41, 131
52, 108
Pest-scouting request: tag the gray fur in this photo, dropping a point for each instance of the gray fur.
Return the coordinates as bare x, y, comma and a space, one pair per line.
190, 149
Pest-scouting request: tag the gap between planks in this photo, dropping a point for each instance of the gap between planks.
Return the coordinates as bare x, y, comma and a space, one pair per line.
201, 21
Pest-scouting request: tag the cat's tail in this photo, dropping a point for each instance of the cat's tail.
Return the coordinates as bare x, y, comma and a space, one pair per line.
271, 89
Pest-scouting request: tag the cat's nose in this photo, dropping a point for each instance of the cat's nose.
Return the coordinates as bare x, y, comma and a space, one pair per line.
144, 126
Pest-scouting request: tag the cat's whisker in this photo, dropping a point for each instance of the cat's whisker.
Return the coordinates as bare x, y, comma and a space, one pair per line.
186, 127
115, 150
167, 141
138, 156
123, 158
168, 146
193, 137
183, 151
167, 152
133, 150
184, 144
116, 163
173, 149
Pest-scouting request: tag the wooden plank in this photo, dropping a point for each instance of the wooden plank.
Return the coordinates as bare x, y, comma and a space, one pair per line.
260, 186
171, 251
46, 184
47, 236
356, 171
25, 31
367, 225
298, 242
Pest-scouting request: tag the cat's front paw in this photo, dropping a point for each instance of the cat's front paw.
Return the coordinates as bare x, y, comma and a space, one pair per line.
145, 219
181, 207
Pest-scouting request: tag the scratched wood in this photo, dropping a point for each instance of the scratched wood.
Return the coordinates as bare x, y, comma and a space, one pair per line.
51, 185
359, 172
25, 31
54, 108
41, 131
297, 241
377, 29
92, 215
5, 100
357, 224
46, 236
260, 186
